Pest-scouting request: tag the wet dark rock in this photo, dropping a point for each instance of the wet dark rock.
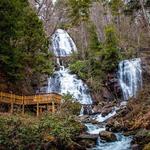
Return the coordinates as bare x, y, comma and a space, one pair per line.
92, 137
88, 143
87, 109
106, 111
106, 94
48, 146
94, 121
108, 136
122, 112
135, 147
97, 109
75, 146
115, 126
87, 140
142, 137
84, 118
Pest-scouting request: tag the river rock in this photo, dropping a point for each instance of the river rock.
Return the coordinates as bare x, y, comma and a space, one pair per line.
141, 137
115, 126
135, 147
97, 109
87, 140
106, 111
85, 119
92, 137
122, 112
108, 136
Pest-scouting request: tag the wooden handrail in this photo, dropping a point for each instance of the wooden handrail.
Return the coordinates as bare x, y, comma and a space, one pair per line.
27, 100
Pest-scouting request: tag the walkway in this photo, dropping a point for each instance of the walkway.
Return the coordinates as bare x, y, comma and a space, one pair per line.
48, 101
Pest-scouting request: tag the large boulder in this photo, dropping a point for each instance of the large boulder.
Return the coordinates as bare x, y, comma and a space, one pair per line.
108, 136
142, 137
135, 147
87, 140
106, 111
115, 126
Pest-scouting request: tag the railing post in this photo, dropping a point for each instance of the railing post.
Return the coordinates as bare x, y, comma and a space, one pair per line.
53, 107
37, 108
12, 104
22, 105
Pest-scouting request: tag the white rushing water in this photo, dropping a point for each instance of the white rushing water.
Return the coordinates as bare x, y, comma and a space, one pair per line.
62, 81
122, 143
130, 77
94, 129
102, 119
62, 43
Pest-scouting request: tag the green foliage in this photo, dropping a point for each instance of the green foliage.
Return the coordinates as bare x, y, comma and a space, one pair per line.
79, 68
79, 10
110, 53
67, 97
102, 57
23, 47
116, 6
70, 106
14, 134
21, 132
94, 44
62, 127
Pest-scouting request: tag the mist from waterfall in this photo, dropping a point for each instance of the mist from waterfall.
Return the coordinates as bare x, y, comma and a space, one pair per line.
62, 81
130, 77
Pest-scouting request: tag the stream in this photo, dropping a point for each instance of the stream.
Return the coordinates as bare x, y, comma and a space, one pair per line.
63, 82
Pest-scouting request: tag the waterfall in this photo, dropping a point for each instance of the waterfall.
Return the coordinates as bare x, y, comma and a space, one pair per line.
130, 77
62, 44
62, 81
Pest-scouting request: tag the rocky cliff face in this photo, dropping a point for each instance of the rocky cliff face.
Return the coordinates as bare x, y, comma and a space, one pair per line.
145, 56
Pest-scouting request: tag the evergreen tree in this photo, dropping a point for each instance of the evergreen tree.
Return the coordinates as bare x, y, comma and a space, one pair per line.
79, 10
23, 46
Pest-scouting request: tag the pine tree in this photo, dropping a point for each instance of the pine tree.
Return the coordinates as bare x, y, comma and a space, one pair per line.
23, 46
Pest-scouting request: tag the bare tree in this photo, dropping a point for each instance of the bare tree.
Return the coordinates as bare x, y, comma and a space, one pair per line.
49, 13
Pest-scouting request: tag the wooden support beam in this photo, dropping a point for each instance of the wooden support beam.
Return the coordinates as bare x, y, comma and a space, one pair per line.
47, 108
37, 106
53, 107
37, 109
12, 104
22, 105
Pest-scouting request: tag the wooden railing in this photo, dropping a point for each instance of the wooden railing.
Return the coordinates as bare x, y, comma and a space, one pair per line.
12, 99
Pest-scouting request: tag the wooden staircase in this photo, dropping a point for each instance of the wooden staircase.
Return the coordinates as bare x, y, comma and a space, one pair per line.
49, 101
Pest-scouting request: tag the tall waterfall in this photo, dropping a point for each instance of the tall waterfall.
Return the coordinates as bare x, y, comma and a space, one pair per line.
63, 44
130, 77
62, 81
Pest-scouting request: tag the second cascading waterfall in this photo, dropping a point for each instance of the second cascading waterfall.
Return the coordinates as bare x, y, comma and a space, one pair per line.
62, 81
130, 77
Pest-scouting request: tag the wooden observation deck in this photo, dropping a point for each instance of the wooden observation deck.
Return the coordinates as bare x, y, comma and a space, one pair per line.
48, 101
